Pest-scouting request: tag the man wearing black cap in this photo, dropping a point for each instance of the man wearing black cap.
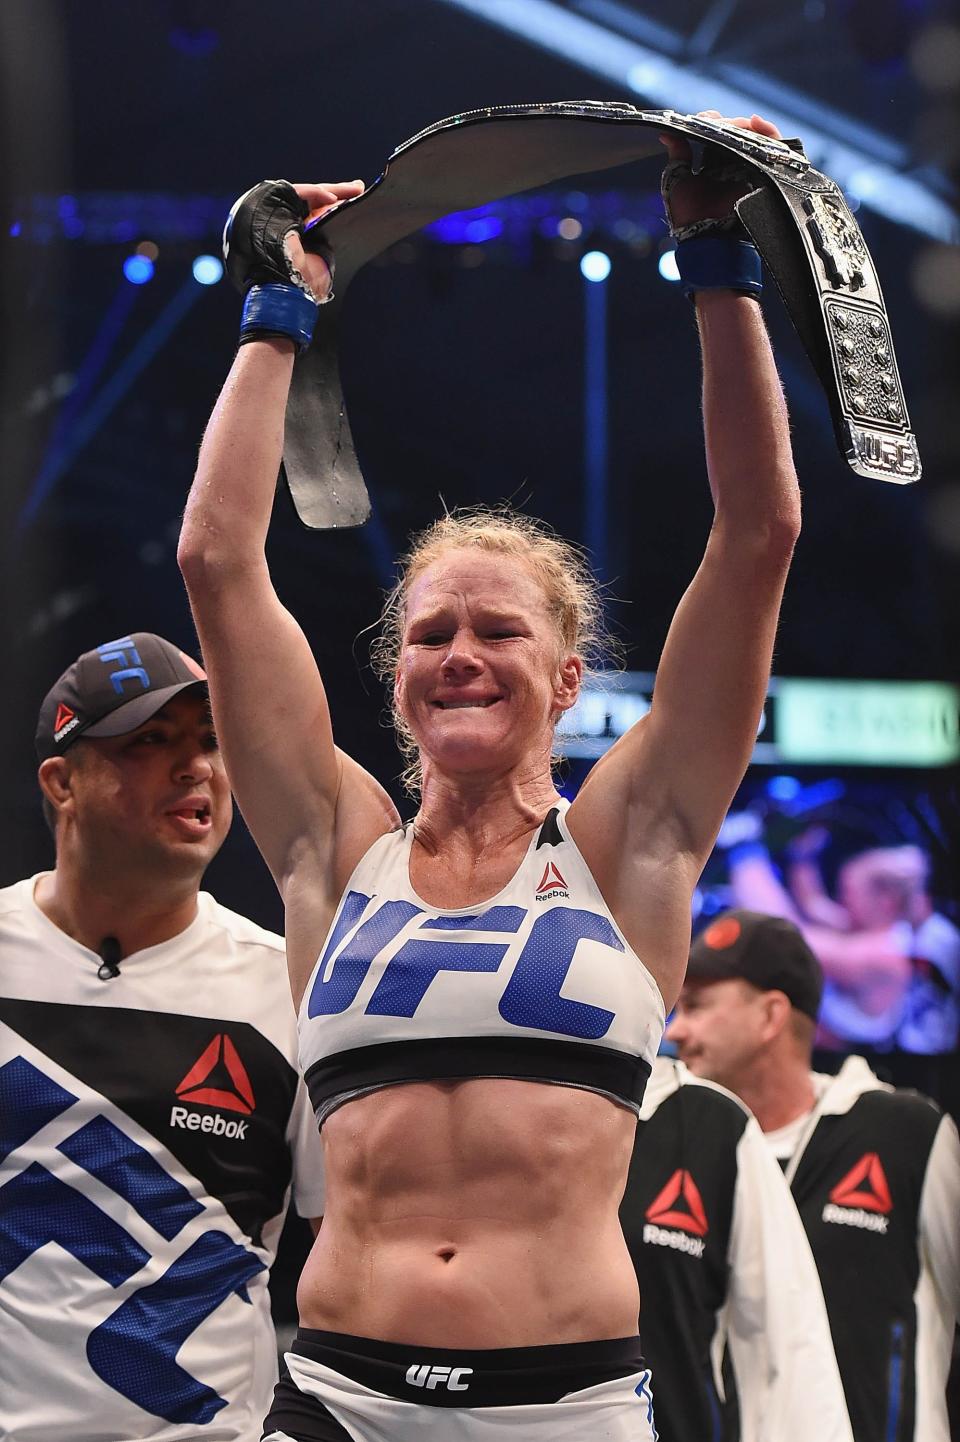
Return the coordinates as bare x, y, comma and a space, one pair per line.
152, 1122
875, 1172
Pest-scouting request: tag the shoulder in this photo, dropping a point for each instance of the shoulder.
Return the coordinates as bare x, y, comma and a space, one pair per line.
901, 1102
15, 900
717, 1111
717, 1097
910, 1119
907, 1119
364, 815
240, 968
707, 1101
239, 930
857, 1087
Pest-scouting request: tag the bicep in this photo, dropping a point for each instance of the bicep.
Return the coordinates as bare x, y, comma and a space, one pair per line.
269, 708
711, 683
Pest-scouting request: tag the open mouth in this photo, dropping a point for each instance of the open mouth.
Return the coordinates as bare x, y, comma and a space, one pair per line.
192, 820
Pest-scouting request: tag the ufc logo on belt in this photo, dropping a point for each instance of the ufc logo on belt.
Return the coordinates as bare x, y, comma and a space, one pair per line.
431, 1377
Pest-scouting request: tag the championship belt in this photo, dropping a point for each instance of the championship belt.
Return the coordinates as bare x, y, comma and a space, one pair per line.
796, 216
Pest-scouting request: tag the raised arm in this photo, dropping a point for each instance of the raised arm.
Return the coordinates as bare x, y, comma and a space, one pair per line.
805, 881
301, 797
681, 765
650, 810
713, 674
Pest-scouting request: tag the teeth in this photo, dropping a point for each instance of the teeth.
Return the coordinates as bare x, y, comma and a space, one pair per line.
463, 705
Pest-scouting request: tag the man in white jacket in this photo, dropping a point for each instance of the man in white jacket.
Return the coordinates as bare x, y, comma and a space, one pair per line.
875, 1172
722, 1258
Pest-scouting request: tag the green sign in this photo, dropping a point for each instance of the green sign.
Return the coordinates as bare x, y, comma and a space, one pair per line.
832, 723
867, 723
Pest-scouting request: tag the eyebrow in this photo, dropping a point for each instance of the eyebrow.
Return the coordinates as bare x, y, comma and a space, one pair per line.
482, 612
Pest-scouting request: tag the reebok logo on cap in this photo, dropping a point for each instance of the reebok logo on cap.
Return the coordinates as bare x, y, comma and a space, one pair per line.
64, 722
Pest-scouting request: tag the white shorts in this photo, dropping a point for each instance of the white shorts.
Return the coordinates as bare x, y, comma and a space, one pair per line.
318, 1402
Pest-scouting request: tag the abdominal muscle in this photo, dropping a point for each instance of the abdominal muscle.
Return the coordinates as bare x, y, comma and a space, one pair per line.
479, 1213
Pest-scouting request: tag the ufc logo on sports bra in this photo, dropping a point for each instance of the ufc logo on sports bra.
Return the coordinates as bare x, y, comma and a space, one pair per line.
531, 994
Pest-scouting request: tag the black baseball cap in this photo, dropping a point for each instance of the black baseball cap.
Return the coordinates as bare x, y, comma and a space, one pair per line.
113, 689
767, 951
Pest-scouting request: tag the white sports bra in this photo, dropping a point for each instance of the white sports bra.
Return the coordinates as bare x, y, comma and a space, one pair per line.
538, 983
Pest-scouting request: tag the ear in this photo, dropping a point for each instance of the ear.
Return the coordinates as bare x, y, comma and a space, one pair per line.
777, 1013
569, 679
54, 777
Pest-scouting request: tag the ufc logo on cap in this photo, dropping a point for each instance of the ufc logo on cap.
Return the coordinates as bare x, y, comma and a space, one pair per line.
130, 668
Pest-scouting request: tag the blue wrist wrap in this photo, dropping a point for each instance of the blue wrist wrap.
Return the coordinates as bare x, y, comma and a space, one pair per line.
719, 262
278, 310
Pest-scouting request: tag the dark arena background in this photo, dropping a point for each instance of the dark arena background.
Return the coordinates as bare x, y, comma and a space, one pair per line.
536, 350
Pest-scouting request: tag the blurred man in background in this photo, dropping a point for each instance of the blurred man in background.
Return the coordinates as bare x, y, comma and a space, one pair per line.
152, 1122
875, 1172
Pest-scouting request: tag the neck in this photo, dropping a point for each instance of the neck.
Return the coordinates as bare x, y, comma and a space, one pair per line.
89, 908
488, 812
778, 1089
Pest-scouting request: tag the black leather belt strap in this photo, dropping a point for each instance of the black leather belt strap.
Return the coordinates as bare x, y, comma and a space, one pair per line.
798, 218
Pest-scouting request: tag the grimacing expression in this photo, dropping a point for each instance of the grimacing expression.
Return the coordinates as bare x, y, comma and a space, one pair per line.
482, 677
716, 1028
159, 794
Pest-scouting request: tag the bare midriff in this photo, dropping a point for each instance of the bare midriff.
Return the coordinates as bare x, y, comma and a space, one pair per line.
479, 1213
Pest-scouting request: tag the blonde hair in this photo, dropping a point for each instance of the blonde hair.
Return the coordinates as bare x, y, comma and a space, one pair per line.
572, 593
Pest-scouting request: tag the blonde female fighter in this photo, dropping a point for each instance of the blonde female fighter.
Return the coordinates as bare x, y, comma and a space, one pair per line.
481, 992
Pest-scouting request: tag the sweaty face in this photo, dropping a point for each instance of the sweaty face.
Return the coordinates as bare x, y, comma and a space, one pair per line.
716, 1029
157, 796
481, 678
